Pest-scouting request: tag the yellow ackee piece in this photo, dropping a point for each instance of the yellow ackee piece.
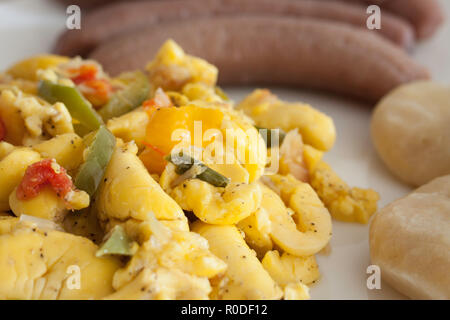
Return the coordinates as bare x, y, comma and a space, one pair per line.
67, 149
130, 126
163, 284
311, 156
235, 171
128, 191
344, 203
38, 264
5, 149
245, 277
12, 169
172, 69
249, 147
202, 92
31, 119
26, 69
309, 230
46, 205
257, 230
316, 128
214, 205
170, 264
7, 223
287, 268
182, 250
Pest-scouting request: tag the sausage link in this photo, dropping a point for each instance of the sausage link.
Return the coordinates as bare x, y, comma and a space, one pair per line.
273, 50
119, 18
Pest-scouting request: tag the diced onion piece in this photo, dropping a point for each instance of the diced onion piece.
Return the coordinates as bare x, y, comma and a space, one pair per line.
193, 172
40, 223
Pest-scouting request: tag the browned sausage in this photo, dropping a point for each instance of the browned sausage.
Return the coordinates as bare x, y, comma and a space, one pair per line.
273, 50
425, 15
119, 18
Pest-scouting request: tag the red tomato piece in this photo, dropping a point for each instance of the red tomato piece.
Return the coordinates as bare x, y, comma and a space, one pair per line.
84, 73
101, 90
43, 173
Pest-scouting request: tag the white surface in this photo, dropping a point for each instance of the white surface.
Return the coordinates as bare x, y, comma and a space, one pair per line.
28, 27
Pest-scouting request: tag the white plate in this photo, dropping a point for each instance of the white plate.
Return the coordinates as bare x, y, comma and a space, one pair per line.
28, 27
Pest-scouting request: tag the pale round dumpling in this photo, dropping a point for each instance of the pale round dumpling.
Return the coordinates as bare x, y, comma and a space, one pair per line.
410, 242
411, 131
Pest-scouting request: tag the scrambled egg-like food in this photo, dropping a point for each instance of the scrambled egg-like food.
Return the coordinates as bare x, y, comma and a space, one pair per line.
154, 185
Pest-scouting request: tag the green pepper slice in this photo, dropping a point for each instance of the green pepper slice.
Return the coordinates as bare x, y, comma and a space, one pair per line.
79, 108
135, 92
99, 153
117, 243
184, 162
